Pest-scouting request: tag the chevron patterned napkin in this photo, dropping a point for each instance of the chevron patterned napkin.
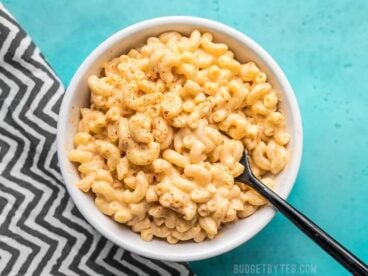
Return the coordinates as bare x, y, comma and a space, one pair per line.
41, 231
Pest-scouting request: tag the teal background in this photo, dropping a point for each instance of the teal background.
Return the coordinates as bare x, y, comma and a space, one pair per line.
322, 46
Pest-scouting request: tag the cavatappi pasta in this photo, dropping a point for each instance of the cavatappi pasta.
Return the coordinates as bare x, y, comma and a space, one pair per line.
160, 144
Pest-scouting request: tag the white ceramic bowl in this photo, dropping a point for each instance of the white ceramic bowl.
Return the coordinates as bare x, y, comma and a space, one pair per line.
77, 96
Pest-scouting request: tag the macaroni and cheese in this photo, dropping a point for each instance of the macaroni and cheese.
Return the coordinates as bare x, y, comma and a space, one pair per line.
168, 122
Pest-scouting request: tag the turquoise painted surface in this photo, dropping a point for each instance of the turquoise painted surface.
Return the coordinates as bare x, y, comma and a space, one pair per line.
321, 46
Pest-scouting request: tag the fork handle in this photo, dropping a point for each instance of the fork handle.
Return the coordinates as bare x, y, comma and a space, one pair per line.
330, 245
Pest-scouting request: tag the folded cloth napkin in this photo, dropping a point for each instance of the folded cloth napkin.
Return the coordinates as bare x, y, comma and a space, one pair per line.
41, 231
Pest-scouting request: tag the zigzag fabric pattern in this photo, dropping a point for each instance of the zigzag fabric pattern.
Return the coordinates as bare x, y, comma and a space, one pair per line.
41, 231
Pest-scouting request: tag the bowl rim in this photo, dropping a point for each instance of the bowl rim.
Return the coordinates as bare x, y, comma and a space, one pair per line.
190, 20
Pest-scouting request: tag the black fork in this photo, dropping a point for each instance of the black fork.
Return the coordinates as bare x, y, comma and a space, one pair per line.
330, 245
